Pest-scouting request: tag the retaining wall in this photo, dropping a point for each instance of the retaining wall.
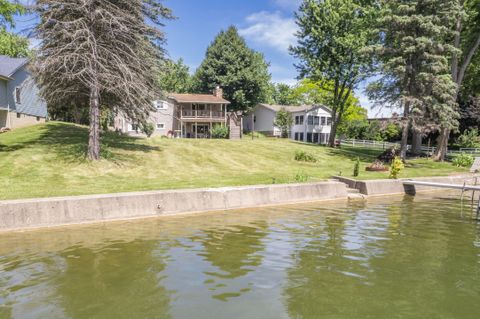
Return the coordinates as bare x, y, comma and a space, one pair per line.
391, 186
47, 212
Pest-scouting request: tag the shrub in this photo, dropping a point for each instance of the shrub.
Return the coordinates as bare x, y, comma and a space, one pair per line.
303, 156
148, 129
219, 131
396, 168
356, 168
301, 177
469, 139
463, 160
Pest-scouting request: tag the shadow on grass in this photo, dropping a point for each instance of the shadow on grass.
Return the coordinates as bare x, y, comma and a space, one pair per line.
69, 142
365, 154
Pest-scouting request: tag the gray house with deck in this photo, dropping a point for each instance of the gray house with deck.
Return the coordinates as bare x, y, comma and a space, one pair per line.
20, 102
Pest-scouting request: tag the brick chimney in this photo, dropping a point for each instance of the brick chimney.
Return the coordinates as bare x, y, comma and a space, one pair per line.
218, 92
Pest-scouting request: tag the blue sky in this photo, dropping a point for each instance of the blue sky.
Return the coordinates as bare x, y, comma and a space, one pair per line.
268, 26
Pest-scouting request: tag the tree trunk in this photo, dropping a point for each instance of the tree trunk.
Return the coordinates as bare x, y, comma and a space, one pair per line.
442, 145
333, 133
404, 143
94, 133
417, 142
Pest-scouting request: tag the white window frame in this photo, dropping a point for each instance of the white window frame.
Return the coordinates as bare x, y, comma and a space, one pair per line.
161, 128
160, 105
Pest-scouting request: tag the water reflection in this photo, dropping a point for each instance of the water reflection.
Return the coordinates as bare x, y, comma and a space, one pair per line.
400, 257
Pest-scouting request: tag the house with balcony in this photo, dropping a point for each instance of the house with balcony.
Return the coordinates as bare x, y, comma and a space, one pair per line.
187, 116
311, 123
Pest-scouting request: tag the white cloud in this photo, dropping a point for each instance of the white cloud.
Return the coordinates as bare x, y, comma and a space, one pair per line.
271, 29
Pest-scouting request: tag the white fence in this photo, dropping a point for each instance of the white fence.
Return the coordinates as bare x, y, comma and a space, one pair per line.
386, 145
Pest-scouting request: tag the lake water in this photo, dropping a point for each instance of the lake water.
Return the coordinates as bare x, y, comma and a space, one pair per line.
399, 257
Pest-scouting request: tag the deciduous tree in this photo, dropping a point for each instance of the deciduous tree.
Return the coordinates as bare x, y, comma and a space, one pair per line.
11, 44
175, 77
331, 40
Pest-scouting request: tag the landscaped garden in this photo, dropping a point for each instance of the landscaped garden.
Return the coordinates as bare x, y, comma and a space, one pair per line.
49, 160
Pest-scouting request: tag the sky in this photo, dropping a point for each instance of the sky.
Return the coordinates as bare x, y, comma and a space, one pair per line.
268, 26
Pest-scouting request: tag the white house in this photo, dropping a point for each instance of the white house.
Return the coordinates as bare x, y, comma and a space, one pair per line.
311, 123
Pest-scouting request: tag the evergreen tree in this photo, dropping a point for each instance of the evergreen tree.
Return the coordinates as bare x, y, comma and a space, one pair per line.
239, 70
100, 53
414, 55
331, 42
466, 41
175, 77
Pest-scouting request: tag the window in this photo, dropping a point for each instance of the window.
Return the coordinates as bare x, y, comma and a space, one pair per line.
19, 115
324, 120
18, 93
160, 126
309, 137
310, 120
160, 105
133, 127
316, 137
329, 121
316, 120
299, 120
301, 137
38, 118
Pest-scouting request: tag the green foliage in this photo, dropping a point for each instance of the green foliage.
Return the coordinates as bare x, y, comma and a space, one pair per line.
331, 40
13, 45
219, 131
303, 156
106, 119
356, 168
240, 71
391, 132
255, 135
175, 77
463, 160
284, 121
373, 132
469, 139
148, 129
8, 10
396, 167
301, 177
281, 94
414, 53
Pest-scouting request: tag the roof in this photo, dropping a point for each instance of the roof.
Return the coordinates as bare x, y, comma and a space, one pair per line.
293, 108
9, 65
197, 98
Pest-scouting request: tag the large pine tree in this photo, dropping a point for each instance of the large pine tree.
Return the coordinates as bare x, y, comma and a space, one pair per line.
414, 54
240, 71
100, 53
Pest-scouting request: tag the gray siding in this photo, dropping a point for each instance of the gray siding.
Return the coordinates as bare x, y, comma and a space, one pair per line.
3, 93
31, 103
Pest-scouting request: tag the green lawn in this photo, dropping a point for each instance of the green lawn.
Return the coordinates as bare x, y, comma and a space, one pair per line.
48, 160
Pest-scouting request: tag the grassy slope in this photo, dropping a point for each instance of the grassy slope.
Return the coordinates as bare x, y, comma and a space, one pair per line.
48, 160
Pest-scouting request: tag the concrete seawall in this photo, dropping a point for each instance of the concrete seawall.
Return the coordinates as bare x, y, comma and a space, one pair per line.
48, 212
392, 186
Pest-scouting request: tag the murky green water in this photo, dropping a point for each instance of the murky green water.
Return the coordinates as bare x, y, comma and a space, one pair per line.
387, 258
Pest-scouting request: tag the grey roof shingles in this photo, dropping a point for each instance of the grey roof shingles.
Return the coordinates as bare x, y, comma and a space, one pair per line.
9, 65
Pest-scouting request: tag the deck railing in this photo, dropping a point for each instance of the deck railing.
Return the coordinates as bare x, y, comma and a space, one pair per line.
203, 114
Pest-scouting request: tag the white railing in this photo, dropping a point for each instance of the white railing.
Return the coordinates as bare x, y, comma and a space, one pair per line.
386, 145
